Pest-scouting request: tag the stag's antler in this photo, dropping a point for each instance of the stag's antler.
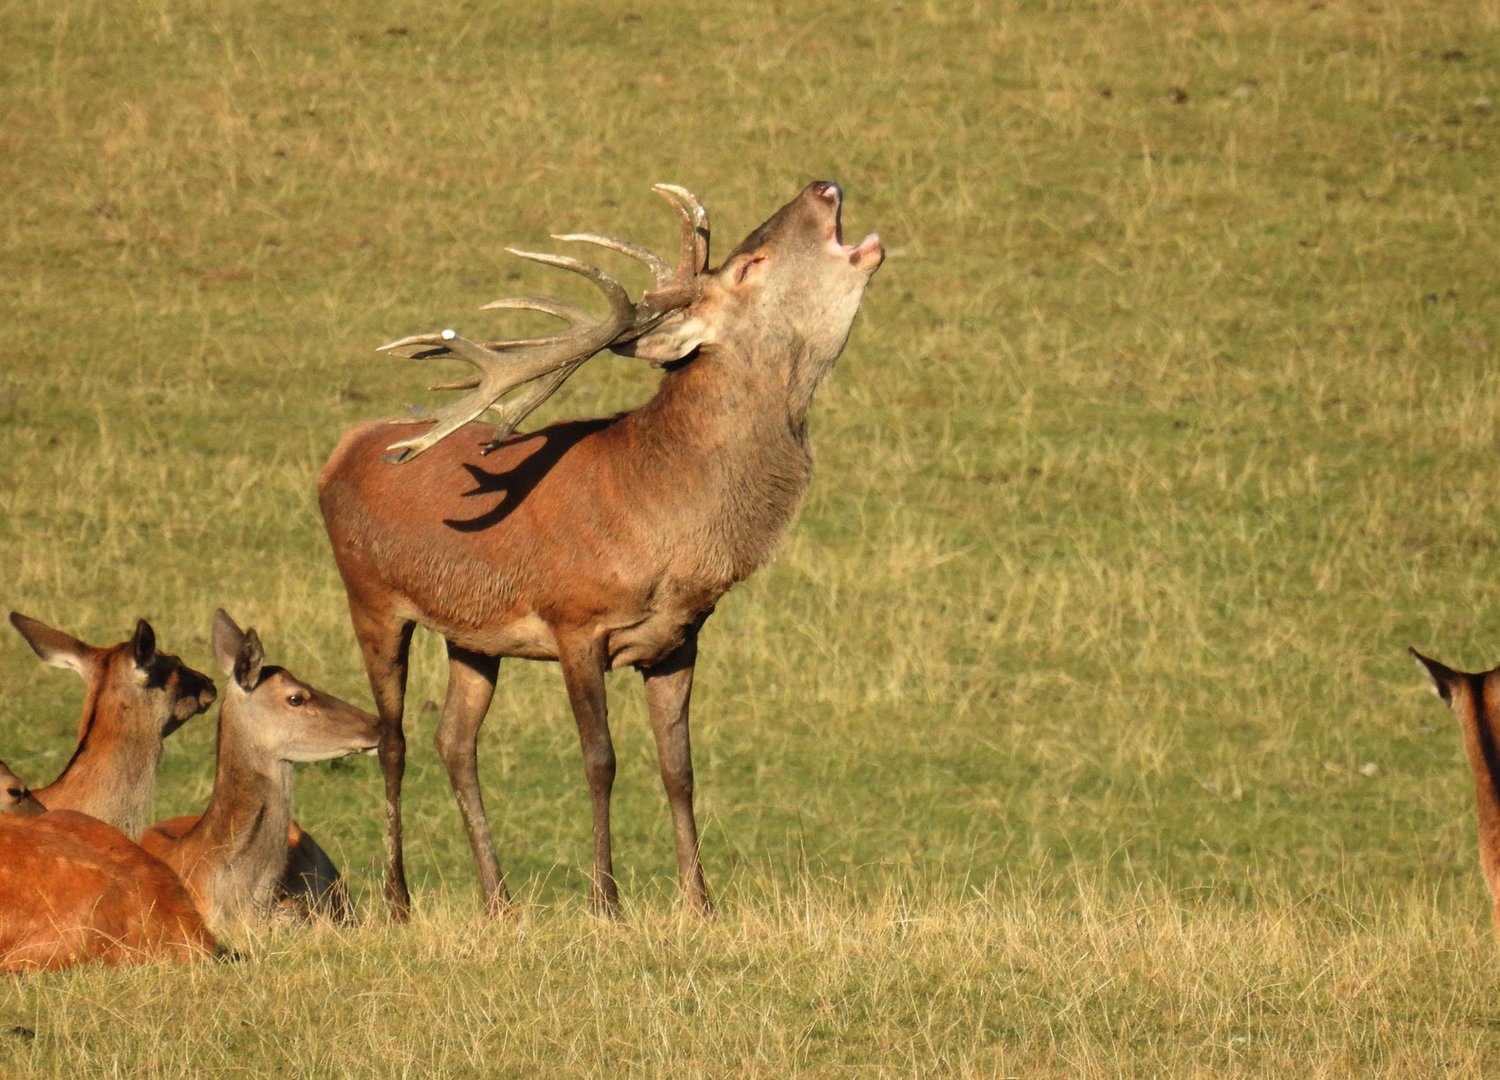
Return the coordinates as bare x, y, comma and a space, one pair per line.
546, 362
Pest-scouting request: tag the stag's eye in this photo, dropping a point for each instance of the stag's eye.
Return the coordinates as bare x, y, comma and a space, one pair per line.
296, 699
14, 793
747, 264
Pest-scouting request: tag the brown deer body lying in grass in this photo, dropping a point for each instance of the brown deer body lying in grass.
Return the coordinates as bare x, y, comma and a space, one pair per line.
73, 889
234, 854
597, 543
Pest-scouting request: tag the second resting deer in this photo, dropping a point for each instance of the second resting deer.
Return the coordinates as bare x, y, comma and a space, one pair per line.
233, 854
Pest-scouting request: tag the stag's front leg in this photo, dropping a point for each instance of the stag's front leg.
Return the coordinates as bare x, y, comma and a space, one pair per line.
583, 672
669, 686
385, 645
471, 685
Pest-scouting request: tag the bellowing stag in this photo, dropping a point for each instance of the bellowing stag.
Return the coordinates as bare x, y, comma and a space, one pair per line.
596, 543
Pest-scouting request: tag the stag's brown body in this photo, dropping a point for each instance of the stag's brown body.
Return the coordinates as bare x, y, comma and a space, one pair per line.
622, 530
73, 889
602, 543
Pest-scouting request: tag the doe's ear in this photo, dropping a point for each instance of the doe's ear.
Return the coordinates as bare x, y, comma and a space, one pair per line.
1443, 677
673, 338
248, 663
54, 646
227, 638
143, 643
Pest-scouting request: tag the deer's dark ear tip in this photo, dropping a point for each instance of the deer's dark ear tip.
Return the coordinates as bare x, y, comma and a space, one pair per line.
143, 641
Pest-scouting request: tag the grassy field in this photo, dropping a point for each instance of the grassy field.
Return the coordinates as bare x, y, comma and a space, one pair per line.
1072, 732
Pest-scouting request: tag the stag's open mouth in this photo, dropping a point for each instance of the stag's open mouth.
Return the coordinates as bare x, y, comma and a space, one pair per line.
868, 253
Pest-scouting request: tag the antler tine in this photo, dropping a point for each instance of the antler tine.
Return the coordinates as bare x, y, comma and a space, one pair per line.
498, 374
542, 364
619, 299
566, 312
660, 269
558, 310
693, 257
416, 347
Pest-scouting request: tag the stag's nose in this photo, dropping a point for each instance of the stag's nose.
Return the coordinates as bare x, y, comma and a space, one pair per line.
827, 189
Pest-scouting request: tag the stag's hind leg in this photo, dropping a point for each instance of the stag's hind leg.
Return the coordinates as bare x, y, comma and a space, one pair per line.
385, 642
669, 687
471, 685
583, 672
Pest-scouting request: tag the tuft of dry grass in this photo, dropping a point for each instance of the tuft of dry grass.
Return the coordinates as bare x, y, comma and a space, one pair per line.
1006, 979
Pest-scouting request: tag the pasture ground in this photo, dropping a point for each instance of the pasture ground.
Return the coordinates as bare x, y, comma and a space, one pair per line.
1072, 732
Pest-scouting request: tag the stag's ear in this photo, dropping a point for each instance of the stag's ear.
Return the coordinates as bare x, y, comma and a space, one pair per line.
248, 663
143, 643
53, 646
227, 639
673, 338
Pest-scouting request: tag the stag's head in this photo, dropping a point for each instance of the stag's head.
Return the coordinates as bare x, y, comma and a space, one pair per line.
784, 298
790, 290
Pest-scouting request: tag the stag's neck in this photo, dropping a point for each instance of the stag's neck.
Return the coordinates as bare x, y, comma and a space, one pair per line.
729, 395
112, 775
243, 832
1484, 758
728, 439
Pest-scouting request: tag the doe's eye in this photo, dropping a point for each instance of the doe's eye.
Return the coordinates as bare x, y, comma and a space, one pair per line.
296, 699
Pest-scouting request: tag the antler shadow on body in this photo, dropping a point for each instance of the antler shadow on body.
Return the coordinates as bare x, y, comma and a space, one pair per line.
611, 540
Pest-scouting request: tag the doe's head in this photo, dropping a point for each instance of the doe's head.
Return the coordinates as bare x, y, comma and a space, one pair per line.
280, 713
147, 687
1468, 694
15, 796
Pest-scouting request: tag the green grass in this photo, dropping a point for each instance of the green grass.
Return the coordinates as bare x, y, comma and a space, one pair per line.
1072, 732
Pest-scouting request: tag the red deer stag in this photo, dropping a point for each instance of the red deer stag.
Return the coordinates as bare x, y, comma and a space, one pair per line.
73, 889
136, 697
234, 854
596, 543
1475, 700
